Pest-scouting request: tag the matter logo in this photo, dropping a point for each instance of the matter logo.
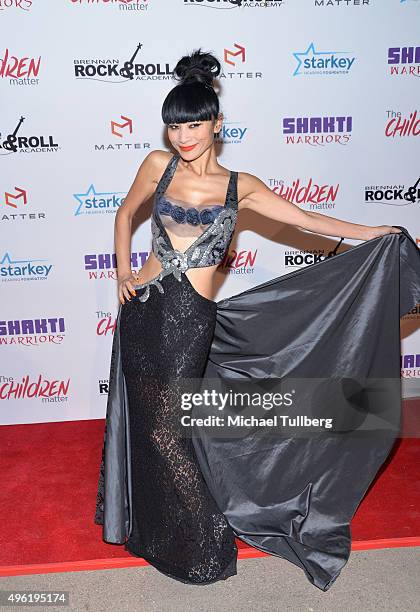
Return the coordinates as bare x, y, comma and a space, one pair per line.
341, 3
15, 207
121, 130
228, 54
126, 125
10, 198
236, 58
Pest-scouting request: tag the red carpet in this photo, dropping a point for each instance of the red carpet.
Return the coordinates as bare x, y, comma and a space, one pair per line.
50, 471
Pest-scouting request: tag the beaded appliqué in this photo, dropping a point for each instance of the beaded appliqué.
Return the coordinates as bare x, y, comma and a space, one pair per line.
207, 250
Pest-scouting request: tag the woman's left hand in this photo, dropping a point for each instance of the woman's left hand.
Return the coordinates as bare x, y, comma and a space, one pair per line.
381, 230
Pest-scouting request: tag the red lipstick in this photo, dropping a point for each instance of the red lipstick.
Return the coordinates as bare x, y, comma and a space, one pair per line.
190, 148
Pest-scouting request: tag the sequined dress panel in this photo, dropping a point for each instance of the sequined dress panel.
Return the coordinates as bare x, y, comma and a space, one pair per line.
211, 228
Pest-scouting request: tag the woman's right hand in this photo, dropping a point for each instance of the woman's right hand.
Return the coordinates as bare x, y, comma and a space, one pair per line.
125, 287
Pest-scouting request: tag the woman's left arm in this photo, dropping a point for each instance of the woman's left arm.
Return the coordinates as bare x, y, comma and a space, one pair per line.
255, 195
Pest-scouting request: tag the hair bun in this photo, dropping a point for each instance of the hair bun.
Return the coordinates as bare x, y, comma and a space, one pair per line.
197, 67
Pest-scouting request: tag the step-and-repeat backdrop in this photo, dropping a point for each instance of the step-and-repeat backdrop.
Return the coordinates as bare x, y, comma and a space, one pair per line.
320, 99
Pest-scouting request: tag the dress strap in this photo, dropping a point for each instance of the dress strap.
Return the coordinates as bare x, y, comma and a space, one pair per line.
232, 191
167, 175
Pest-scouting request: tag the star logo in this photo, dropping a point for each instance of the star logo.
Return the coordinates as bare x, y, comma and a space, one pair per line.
321, 60
95, 202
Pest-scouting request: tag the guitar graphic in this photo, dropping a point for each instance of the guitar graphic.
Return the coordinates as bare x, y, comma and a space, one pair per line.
411, 193
10, 143
127, 69
334, 252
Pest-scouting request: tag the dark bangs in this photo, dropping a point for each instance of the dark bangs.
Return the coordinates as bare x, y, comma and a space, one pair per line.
190, 102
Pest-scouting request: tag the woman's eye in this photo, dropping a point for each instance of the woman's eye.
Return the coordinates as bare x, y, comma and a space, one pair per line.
195, 125
173, 127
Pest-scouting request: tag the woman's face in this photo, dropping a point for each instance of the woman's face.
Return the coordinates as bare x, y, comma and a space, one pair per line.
193, 138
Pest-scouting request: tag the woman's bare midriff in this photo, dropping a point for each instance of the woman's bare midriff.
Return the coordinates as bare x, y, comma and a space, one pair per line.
200, 278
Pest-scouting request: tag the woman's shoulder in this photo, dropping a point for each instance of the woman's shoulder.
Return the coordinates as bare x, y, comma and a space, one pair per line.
247, 184
156, 162
158, 157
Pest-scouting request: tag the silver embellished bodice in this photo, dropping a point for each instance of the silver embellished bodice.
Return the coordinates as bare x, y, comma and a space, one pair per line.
213, 226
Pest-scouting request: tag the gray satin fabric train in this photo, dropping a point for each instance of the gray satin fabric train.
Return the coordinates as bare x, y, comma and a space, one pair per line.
336, 318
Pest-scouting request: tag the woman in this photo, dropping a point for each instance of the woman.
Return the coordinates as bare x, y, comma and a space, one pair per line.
165, 327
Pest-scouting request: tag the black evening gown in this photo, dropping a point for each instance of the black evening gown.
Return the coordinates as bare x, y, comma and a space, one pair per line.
177, 526
179, 501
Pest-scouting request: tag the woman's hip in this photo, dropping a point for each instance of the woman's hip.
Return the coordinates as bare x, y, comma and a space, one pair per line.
170, 333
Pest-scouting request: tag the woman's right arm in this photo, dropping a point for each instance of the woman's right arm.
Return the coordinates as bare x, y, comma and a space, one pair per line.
143, 187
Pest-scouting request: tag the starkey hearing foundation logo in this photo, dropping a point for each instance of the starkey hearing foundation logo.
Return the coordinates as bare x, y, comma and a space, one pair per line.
393, 195
20, 70
404, 61
93, 202
317, 131
414, 313
16, 207
120, 71
39, 331
24, 5
121, 130
312, 61
400, 126
24, 269
309, 194
18, 142
232, 132
235, 64
103, 266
